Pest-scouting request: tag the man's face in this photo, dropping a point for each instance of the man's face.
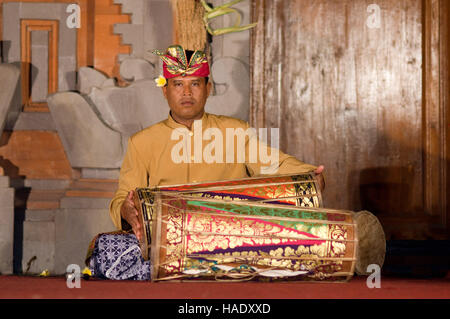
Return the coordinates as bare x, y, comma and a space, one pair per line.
186, 96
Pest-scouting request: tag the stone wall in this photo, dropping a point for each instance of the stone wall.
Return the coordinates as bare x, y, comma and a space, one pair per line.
13, 12
53, 238
6, 225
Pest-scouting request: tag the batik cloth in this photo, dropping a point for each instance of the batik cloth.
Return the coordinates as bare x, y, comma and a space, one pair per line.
117, 256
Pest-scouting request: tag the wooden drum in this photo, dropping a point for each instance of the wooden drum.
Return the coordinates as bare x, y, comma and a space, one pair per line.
216, 239
299, 190
218, 232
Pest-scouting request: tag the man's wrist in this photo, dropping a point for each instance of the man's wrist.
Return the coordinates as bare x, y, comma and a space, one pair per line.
125, 225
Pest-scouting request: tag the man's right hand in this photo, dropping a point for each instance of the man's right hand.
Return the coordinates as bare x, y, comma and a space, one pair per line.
129, 212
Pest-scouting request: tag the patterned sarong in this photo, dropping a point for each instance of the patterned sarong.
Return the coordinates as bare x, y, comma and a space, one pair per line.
117, 256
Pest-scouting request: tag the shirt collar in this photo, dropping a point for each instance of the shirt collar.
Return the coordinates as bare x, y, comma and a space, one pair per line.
172, 124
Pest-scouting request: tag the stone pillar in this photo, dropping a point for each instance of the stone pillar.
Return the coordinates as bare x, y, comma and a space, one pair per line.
6, 226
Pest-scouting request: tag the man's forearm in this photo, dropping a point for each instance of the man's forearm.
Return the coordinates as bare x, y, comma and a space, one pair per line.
114, 210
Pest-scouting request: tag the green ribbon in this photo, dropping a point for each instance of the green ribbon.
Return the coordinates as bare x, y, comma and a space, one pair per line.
212, 13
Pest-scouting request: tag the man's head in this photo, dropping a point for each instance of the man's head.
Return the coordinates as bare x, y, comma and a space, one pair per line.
187, 86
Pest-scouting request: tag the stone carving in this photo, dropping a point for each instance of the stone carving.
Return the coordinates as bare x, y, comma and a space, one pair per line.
87, 139
89, 78
134, 69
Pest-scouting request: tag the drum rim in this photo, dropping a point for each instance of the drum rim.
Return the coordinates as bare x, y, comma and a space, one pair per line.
144, 241
156, 239
158, 187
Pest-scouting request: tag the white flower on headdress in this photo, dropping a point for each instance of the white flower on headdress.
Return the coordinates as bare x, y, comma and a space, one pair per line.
160, 81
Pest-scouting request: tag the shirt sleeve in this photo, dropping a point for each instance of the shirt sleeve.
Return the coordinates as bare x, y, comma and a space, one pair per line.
133, 174
271, 161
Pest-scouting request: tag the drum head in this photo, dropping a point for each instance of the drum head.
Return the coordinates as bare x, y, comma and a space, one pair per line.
371, 242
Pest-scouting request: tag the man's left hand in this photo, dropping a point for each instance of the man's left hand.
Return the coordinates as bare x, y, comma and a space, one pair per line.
318, 171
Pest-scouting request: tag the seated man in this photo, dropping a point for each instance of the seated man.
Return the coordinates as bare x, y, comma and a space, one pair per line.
153, 154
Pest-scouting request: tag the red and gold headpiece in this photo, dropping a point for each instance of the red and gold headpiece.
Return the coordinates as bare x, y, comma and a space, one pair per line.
175, 62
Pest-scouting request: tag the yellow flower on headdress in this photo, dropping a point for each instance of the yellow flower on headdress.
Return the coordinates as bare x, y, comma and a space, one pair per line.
160, 81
